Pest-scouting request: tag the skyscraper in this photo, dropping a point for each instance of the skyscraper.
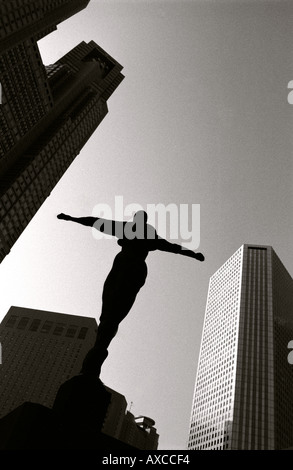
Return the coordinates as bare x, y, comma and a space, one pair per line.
47, 113
40, 351
244, 384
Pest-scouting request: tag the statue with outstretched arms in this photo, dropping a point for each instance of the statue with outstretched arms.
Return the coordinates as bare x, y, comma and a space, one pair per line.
126, 277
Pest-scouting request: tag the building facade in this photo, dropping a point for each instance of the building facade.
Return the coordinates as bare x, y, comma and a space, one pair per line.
244, 383
22, 19
40, 351
47, 113
138, 432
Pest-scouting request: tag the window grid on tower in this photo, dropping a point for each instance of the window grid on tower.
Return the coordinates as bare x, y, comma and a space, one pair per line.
41, 350
212, 410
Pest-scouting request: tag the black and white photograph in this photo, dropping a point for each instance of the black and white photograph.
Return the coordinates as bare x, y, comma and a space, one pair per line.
146, 221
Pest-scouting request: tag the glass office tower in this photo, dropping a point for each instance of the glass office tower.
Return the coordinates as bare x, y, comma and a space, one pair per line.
244, 384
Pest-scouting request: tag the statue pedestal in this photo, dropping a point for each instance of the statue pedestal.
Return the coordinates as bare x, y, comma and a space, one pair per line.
80, 407
74, 423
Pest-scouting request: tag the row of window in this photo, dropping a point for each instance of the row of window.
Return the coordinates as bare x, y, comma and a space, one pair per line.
229, 269
35, 194
29, 197
46, 327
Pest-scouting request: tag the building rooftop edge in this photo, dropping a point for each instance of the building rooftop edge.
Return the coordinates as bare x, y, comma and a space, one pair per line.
35, 310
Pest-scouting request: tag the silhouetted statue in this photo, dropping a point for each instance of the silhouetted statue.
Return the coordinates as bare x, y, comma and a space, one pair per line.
127, 276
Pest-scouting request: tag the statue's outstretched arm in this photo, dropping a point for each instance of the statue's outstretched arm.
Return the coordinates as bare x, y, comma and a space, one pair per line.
88, 221
164, 245
110, 227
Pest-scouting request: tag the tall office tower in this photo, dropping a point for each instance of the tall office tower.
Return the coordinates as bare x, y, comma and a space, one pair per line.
40, 351
47, 113
244, 384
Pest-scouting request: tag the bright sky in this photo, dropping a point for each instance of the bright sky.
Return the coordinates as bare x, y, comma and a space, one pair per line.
202, 117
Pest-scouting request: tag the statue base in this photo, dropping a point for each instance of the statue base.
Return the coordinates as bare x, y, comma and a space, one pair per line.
74, 423
81, 404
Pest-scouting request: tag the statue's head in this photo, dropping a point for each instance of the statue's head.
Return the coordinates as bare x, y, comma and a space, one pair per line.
140, 217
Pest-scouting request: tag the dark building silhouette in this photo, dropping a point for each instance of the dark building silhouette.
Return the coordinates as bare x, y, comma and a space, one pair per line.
43, 394
23, 19
48, 112
33, 427
138, 432
40, 351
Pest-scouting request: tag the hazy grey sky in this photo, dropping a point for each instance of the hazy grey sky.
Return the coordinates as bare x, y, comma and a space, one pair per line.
201, 118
